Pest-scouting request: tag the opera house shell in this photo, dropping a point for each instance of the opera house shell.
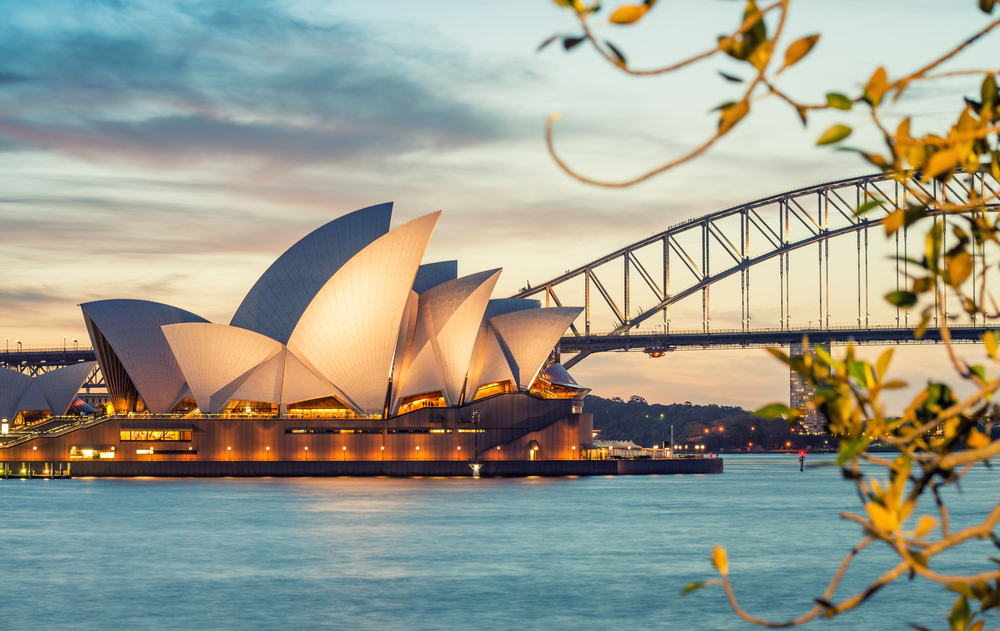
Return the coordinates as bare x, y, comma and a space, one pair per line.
347, 347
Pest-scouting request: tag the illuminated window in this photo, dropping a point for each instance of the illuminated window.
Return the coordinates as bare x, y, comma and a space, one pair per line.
491, 389
155, 435
331, 430
92, 453
424, 400
471, 431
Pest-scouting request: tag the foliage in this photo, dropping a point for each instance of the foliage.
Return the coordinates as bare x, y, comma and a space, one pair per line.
728, 427
939, 437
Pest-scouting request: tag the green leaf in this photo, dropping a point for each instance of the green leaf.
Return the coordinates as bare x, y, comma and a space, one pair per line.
772, 411
849, 449
989, 90
960, 615
978, 371
902, 299
834, 134
857, 370
690, 587
869, 205
838, 101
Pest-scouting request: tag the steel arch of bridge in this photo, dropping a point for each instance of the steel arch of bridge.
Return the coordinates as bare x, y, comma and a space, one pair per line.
769, 221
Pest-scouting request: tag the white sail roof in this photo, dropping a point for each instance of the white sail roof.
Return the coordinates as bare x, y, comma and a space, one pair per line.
527, 337
60, 386
350, 329
280, 297
132, 328
431, 275
212, 356
488, 363
12, 386
33, 399
449, 318
264, 383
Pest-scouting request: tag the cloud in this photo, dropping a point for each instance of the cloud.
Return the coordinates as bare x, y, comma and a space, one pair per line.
175, 83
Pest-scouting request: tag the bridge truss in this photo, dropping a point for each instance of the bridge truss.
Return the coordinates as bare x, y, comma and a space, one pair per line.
36, 361
731, 242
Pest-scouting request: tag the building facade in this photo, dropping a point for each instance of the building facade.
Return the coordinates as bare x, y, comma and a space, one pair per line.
346, 348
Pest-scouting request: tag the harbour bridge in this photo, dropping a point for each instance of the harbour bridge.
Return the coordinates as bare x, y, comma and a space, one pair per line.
834, 269
672, 268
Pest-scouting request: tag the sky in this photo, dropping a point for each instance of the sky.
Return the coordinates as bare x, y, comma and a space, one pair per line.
171, 150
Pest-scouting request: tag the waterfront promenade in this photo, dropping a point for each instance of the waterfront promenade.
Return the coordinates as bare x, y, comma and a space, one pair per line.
389, 468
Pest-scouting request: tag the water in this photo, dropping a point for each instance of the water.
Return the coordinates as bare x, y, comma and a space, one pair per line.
541, 553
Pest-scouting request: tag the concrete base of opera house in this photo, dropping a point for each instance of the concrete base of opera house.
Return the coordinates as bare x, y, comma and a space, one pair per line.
395, 468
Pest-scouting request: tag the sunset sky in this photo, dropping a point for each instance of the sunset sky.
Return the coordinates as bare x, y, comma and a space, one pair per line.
171, 151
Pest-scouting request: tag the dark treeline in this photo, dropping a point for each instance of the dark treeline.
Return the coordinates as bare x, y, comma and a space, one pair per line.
729, 427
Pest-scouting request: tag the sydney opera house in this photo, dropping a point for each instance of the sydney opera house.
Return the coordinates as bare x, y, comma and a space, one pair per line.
346, 349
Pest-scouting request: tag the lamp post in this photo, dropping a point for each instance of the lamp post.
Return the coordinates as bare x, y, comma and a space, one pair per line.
475, 463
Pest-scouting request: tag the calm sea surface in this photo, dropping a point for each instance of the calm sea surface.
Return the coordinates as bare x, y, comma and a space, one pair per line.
542, 553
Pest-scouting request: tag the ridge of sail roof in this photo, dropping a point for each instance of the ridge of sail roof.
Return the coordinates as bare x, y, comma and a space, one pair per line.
490, 363
449, 319
12, 387
404, 348
301, 382
431, 275
33, 399
212, 356
265, 382
132, 329
527, 337
60, 386
483, 366
278, 299
350, 329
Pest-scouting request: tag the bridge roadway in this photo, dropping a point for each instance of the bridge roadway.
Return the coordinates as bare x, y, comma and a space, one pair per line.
34, 360
659, 341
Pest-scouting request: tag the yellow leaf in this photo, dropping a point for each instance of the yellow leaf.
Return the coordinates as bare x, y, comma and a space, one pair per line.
959, 267
720, 561
732, 115
876, 87
977, 439
940, 162
628, 14
883, 363
990, 340
799, 49
925, 525
894, 221
881, 517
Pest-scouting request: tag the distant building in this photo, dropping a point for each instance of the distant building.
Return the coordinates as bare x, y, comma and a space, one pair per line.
800, 393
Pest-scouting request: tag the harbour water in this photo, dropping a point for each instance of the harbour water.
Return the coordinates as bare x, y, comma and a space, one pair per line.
368, 553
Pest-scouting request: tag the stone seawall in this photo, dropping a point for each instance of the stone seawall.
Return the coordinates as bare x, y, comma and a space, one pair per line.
398, 468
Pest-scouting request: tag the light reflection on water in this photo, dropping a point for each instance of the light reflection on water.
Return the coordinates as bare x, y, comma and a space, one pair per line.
537, 553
